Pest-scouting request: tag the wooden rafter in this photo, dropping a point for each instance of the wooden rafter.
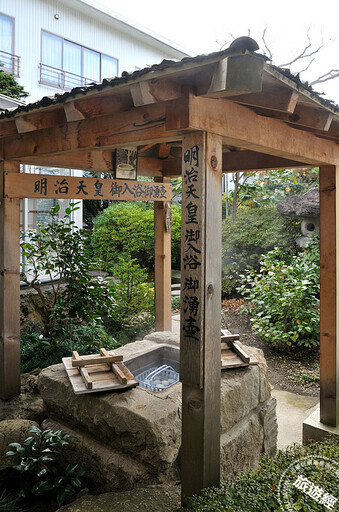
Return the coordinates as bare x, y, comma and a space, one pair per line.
283, 100
137, 126
241, 127
238, 161
238, 125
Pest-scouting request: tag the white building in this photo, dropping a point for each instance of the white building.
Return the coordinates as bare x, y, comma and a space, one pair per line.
55, 45
52, 46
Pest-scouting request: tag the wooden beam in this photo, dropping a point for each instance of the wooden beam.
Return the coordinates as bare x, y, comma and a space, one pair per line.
238, 161
72, 113
329, 295
8, 128
74, 110
315, 118
200, 312
252, 161
9, 290
96, 161
162, 263
138, 126
304, 116
164, 150
104, 105
153, 91
272, 98
241, 127
65, 187
38, 120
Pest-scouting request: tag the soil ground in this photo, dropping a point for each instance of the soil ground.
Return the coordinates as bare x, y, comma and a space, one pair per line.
295, 371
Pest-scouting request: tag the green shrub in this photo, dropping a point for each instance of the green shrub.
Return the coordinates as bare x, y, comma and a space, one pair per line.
40, 352
40, 464
127, 229
284, 298
134, 297
251, 234
176, 302
256, 491
60, 249
10, 503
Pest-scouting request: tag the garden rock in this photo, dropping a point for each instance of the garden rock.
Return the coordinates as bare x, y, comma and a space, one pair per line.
164, 498
164, 337
12, 431
30, 318
132, 438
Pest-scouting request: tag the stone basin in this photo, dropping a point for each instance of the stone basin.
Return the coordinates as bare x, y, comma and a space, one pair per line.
157, 357
132, 438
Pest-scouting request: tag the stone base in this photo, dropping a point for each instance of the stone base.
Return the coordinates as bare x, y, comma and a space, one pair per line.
161, 497
132, 438
314, 430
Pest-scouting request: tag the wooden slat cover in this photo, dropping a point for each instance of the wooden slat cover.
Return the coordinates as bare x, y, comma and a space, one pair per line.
233, 354
102, 377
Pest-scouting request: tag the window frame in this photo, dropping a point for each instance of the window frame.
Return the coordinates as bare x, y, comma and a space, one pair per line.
82, 47
13, 40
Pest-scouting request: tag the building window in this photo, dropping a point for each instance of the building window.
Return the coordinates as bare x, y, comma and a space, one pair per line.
66, 64
8, 61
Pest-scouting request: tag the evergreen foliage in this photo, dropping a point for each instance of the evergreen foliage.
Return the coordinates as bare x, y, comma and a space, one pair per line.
251, 234
10, 87
284, 298
126, 229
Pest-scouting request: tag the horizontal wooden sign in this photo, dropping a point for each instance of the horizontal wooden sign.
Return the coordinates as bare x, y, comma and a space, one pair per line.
66, 187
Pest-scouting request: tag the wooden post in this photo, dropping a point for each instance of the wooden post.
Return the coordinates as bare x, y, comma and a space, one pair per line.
9, 290
162, 263
200, 311
329, 298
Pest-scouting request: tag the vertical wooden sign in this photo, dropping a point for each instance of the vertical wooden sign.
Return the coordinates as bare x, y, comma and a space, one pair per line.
200, 311
192, 265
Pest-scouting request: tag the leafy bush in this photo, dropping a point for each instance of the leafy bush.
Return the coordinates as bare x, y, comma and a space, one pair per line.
284, 298
176, 302
61, 249
251, 234
256, 491
127, 229
40, 352
42, 472
10, 503
134, 297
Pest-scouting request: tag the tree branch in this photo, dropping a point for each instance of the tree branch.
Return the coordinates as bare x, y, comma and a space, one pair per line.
265, 44
308, 66
304, 54
330, 75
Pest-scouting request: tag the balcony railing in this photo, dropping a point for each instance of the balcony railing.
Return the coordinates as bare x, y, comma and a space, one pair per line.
10, 63
61, 79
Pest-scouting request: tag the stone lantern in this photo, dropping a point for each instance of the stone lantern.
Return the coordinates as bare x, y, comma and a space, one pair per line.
306, 207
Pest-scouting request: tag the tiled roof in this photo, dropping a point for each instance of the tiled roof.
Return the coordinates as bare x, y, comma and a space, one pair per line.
165, 65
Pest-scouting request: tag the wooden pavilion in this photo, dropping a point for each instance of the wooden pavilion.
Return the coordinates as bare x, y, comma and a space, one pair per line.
225, 112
